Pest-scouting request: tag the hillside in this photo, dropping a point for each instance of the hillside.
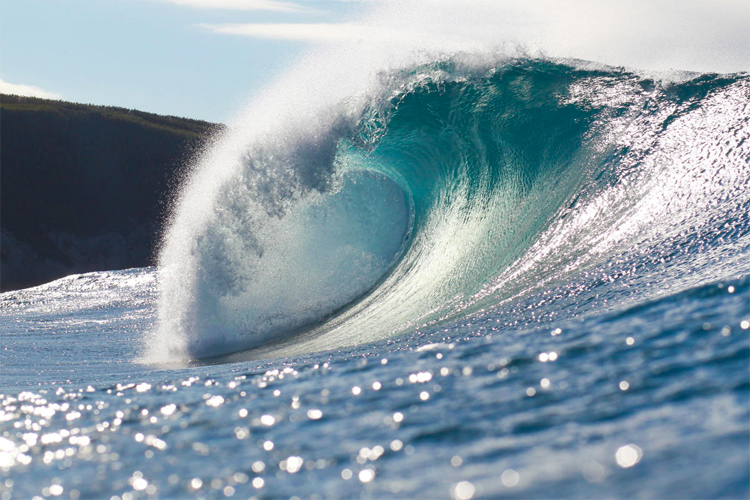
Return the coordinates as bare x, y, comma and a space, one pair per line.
85, 188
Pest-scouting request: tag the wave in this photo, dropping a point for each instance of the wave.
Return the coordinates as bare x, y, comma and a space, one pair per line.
536, 188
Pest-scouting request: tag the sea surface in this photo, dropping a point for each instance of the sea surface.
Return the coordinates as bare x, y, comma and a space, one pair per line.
522, 278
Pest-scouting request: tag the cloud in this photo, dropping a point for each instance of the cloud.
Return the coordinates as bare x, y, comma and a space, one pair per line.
297, 32
26, 90
374, 35
271, 5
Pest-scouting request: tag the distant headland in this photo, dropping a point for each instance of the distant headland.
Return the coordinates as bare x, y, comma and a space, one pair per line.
85, 188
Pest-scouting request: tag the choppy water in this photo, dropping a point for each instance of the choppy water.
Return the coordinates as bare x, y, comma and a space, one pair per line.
646, 401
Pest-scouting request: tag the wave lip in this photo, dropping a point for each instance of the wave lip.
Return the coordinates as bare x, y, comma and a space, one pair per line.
260, 284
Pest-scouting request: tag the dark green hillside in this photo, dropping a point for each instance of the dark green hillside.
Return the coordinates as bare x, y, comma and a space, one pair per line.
85, 188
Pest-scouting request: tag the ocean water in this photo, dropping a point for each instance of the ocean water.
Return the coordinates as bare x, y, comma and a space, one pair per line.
458, 276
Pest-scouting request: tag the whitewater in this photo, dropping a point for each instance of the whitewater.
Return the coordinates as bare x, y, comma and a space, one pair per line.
457, 251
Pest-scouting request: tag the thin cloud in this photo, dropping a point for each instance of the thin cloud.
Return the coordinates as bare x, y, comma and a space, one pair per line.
296, 32
341, 32
26, 91
270, 5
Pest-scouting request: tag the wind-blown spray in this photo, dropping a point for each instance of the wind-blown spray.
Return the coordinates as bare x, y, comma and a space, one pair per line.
435, 168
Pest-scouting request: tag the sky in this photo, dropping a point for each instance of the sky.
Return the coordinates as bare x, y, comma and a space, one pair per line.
205, 59
163, 56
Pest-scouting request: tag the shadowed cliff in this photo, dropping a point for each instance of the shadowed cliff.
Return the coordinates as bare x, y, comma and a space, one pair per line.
85, 188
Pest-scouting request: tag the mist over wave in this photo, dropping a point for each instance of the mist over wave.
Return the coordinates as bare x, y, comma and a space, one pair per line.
406, 179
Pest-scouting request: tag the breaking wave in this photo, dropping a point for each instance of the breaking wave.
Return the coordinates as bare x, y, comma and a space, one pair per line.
450, 189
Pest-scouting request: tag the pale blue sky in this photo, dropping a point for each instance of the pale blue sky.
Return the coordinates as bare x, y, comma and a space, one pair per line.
205, 58
161, 56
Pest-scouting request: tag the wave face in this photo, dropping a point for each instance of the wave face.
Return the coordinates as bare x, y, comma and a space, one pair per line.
450, 189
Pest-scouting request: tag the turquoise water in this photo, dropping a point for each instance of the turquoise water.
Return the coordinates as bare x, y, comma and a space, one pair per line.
522, 279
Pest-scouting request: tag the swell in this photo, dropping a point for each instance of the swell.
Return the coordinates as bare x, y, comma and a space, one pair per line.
455, 189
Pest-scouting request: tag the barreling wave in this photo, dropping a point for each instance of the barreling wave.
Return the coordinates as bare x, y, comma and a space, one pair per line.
546, 189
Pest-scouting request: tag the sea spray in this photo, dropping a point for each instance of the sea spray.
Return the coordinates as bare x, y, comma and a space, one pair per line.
490, 141
483, 184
